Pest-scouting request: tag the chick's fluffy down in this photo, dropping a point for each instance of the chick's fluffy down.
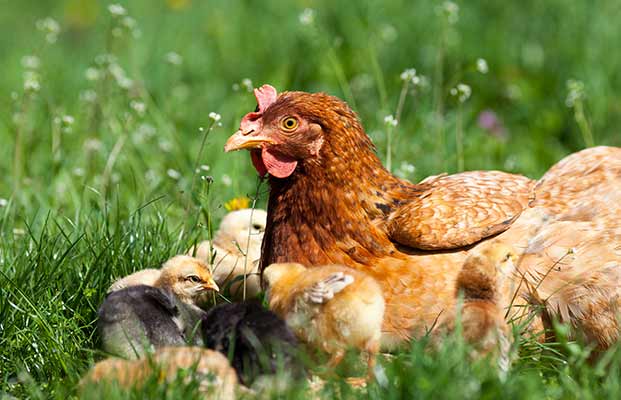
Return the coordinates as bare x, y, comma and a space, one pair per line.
348, 316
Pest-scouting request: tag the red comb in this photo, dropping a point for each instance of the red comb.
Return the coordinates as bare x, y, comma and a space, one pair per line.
266, 95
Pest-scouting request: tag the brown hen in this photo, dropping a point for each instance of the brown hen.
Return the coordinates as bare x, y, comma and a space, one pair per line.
332, 202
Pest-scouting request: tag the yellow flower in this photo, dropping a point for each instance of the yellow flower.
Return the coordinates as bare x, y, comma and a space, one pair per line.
238, 203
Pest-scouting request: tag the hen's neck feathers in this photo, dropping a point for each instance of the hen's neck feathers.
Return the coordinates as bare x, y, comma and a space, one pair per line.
332, 208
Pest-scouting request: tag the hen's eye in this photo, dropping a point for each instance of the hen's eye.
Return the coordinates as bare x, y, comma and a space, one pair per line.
193, 279
289, 124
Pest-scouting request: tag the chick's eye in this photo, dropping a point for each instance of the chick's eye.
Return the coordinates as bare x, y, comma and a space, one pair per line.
193, 279
289, 124
257, 227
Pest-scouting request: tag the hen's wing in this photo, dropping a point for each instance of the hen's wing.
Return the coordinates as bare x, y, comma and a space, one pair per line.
459, 210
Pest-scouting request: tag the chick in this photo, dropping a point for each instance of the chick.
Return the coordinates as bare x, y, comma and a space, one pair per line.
210, 368
139, 317
331, 307
256, 340
237, 246
143, 277
187, 277
485, 285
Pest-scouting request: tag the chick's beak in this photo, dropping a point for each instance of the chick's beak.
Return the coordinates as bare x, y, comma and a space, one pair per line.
211, 285
246, 140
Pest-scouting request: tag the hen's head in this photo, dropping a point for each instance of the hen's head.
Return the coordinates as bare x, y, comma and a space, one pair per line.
292, 128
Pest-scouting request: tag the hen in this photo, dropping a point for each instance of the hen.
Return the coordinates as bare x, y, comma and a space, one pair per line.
332, 201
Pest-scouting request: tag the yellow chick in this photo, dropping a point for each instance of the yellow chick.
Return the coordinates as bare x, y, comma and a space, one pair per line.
204, 365
237, 245
332, 307
484, 284
187, 277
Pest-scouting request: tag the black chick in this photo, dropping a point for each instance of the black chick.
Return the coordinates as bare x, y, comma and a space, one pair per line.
256, 341
140, 317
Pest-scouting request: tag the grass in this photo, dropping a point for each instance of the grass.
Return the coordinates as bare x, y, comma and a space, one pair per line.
112, 163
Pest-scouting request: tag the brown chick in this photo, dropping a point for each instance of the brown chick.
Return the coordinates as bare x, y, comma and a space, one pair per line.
167, 363
332, 307
237, 247
484, 282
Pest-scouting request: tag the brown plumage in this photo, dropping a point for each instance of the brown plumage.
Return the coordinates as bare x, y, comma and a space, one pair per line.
209, 367
331, 201
331, 307
483, 283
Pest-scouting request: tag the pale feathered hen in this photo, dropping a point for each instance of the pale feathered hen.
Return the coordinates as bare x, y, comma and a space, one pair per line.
330, 307
237, 247
210, 368
332, 202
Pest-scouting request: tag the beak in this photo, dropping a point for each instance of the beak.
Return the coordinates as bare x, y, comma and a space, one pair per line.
211, 285
244, 140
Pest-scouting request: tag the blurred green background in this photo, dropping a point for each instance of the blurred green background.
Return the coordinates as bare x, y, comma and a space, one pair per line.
104, 109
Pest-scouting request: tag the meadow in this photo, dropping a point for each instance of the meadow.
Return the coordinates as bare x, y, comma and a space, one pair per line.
113, 119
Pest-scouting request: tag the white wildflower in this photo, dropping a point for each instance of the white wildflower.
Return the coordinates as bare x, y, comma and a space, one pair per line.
482, 66
409, 75
117, 10
205, 167
18, 232
215, 116
92, 74
50, 28
129, 23
118, 73
78, 171
388, 33
67, 120
88, 96
138, 106
173, 58
105, 59
247, 84
462, 91
152, 176
92, 145
389, 120
31, 81
575, 92
3, 202
226, 180
31, 62
165, 146
174, 174
451, 11
307, 16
